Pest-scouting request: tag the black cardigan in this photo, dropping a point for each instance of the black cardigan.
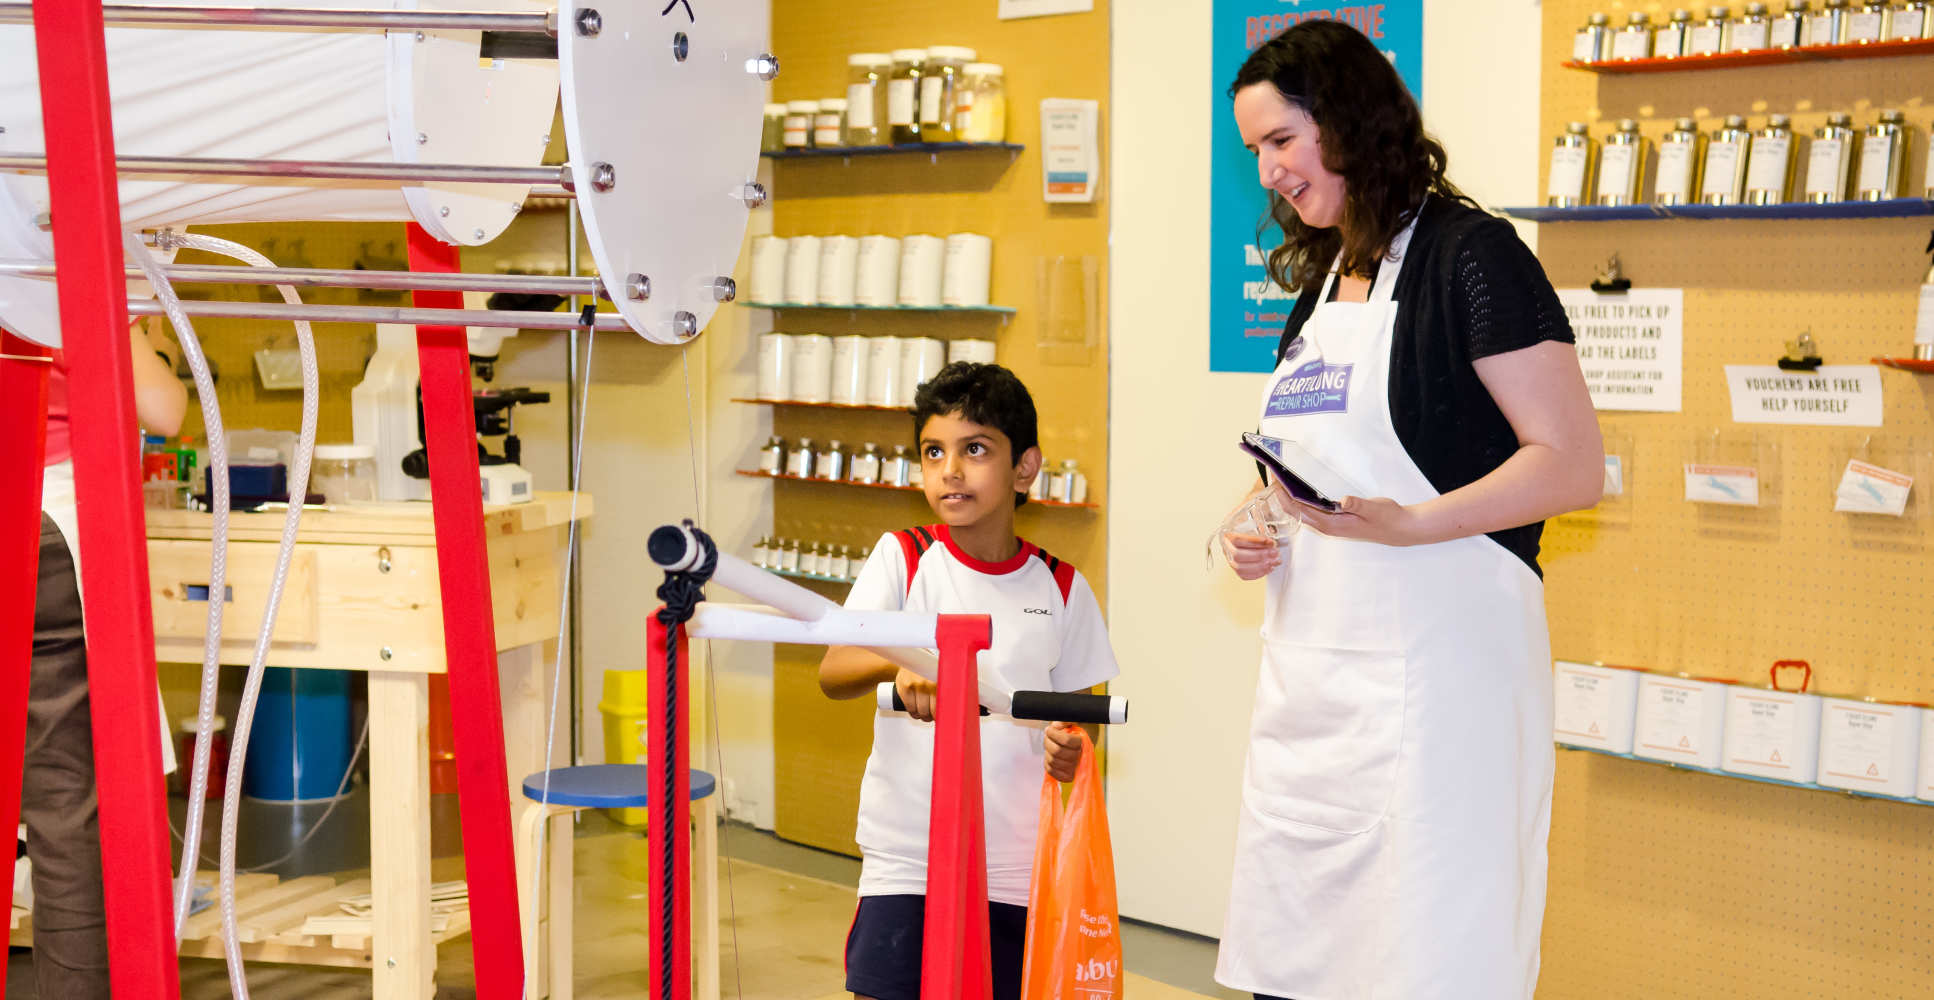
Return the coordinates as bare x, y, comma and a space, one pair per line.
1469, 289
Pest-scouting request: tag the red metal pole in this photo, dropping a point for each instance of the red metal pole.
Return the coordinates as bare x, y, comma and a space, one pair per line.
957, 962
23, 446
669, 833
469, 634
69, 40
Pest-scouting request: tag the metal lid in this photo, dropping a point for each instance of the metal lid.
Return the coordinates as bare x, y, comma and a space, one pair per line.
805, 442
909, 55
1797, 6
832, 445
1638, 17
1755, 8
952, 53
1627, 125
1600, 19
1718, 13
1735, 121
832, 104
775, 109
985, 69
1778, 121
1891, 117
869, 59
1682, 14
1684, 125
1840, 118
1576, 128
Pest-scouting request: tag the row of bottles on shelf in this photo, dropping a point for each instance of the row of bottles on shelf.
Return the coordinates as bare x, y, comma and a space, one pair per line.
870, 467
906, 96
787, 555
1754, 29
1735, 165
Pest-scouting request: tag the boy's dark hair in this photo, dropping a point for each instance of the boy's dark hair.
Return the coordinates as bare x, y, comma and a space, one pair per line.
1372, 135
985, 394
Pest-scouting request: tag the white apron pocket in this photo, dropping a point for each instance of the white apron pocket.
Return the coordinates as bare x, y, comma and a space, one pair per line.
1326, 736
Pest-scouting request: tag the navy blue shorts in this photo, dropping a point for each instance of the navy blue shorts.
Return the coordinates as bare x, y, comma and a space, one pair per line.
883, 948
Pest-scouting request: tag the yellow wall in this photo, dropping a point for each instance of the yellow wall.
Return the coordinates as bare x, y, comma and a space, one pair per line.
821, 746
1672, 883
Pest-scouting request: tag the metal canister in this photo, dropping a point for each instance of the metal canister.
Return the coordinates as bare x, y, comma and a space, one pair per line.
789, 556
1725, 169
1069, 485
772, 457
865, 467
1769, 164
1867, 22
799, 461
1883, 157
1571, 168
1909, 21
1592, 43
1829, 160
1669, 42
830, 463
1753, 30
1829, 26
1712, 34
1621, 165
1927, 182
1790, 27
895, 471
1680, 156
1634, 41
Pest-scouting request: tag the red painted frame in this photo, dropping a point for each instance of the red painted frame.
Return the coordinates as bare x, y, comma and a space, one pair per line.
23, 446
956, 957
665, 715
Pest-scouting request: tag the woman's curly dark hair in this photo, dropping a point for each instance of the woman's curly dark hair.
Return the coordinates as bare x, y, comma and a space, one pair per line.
1372, 136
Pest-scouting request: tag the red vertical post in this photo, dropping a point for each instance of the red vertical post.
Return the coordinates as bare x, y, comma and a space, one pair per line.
70, 43
669, 827
957, 962
23, 446
469, 634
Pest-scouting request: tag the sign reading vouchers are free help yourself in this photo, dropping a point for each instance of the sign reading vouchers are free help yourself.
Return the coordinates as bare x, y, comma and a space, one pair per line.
1246, 309
1631, 346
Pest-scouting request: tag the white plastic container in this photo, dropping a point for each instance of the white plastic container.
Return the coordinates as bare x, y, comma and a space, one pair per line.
1772, 733
878, 281
812, 372
849, 370
838, 263
968, 271
920, 359
344, 473
883, 372
922, 259
775, 366
1870, 746
1925, 782
980, 352
802, 270
768, 269
1595, 705
1681, 720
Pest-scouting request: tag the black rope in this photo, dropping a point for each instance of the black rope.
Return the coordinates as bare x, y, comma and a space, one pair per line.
681, 592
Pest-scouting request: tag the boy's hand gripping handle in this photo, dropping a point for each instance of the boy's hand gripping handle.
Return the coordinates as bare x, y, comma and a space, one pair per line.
1040, 706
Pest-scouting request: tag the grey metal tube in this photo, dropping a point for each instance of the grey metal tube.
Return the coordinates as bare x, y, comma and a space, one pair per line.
309, 17
380, 173
301, 277
516, 320
574, 578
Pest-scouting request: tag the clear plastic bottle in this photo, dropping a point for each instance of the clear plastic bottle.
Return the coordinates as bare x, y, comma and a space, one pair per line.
938, 88
866, 79
903, 96
980, 104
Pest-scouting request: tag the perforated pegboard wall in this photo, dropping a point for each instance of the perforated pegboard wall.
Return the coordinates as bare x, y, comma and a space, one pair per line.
1674, 884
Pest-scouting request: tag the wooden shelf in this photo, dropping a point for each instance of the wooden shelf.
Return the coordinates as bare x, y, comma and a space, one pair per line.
905, 489
822, 406
1763, 57
1893, 208
848, 152
989, 310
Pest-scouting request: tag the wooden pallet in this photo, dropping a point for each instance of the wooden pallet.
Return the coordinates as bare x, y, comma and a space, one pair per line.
301, 922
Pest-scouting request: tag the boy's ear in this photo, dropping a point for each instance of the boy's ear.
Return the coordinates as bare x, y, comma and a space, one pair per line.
1026, 469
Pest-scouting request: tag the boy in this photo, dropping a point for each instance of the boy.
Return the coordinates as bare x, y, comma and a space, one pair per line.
974, 426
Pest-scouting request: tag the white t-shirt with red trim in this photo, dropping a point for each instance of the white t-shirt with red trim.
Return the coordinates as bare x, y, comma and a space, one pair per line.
1048, 635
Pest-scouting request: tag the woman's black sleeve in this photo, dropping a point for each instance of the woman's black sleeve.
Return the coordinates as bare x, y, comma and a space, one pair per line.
1502, 298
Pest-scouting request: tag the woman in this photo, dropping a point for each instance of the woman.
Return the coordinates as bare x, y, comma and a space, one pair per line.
1396, 797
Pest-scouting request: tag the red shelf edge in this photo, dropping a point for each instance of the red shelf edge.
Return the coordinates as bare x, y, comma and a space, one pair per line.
888, 486
821, 406
1907, 365
1763, 57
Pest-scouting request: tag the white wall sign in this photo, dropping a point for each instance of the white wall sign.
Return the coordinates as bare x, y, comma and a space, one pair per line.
1833, 395
1631, 346
1014, 9
1070, 149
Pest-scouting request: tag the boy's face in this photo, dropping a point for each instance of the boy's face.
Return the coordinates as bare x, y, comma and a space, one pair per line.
969, 470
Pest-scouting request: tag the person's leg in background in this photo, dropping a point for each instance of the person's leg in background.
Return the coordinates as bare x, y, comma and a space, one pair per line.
57, 801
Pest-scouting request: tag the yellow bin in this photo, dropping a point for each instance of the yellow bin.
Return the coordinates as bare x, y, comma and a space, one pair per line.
627, 695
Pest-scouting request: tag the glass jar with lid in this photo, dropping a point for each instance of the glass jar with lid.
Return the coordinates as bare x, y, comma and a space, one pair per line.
866, 78
345, 473
980, 104
937, 90
903, 96
772, 137
829, 125
799, 123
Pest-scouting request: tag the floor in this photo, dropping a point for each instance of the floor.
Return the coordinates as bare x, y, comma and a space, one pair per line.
784, 911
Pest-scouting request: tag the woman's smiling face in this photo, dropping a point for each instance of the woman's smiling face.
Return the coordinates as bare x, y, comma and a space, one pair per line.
1289, 154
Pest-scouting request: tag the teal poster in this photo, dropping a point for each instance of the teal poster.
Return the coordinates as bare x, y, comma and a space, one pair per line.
1246, 309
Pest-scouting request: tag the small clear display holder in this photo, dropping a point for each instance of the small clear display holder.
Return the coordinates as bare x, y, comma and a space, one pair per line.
1733, 468
1595, 705
1772, 732
1878, 476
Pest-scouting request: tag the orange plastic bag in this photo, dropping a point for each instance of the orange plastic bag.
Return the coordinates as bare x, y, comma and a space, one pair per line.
1073, 938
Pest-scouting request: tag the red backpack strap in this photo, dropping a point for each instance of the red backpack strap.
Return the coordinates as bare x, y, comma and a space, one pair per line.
1063, 572
914, 543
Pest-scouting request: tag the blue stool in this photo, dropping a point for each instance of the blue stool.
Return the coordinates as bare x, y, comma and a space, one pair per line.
608, 786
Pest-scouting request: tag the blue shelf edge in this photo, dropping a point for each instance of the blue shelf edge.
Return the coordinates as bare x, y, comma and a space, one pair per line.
918, 147
1808, 786
1894, 208
998, 310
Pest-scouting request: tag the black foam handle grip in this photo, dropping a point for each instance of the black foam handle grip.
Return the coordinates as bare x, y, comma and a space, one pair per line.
1054, 706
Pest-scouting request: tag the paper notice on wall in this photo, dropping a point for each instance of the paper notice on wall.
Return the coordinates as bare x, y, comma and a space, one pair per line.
1016, 9
1870, 489
1832, 395
1631, 346
1070, 149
